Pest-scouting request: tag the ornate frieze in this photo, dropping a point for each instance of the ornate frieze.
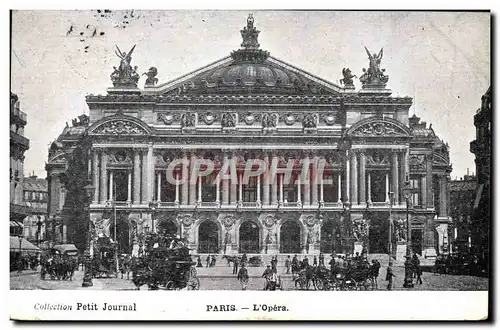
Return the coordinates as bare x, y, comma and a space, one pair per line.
378, 129
120, 127
290, 118
228, 220
310, 219
168, 118
377, 158
269, 120
209, 117
328, 118
251, 118
120, 157
188, 119
186, 219
417, 162
268, 220
228, 120
309, 121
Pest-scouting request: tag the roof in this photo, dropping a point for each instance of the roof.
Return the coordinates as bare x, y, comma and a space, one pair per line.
463, 185
25, 245
65, 247
35, 184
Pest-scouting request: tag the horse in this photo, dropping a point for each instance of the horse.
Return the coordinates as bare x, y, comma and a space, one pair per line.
231, 259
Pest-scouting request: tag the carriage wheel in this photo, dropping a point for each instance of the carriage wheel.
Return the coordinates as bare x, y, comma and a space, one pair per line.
366, 285
170, 285
319, 284
193, 284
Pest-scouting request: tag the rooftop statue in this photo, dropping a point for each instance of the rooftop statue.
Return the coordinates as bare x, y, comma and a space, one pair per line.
374, 76
125, 75
347, 81
151, 74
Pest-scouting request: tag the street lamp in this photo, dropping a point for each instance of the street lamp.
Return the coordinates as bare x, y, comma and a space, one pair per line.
408, 283
87, 277
20, 237
346, 224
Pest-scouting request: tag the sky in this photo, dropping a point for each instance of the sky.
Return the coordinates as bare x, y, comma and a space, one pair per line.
441, 59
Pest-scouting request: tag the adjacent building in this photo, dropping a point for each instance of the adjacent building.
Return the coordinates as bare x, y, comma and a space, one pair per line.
462, 197
35, 198
247, 106
18, 146
481, 148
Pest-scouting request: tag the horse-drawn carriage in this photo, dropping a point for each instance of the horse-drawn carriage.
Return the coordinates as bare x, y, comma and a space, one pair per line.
356, 276
104, 260
166, 264
58, 265
255, 261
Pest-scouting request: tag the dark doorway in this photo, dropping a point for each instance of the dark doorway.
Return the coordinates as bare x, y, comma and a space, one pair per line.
120, 180
290, 237
416, 241
378, 234
167, 227
249, 238
122, 236
208, 238
330, 237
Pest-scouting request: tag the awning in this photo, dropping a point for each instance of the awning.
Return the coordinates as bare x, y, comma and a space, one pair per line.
24, 246
478, 195
15, 224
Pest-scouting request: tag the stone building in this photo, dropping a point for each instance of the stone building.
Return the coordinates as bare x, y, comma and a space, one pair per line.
35, 197
18, 146
462, 197
348, 153
481, 148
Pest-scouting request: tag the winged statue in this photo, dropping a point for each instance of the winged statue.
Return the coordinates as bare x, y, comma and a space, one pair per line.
125, 74
375, 60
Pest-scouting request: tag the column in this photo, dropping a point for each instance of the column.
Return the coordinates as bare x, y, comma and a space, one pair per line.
158, 187
442, 197
144, 178
354, 179
274, 190
369, 188
104, 177
314, 171
265, 191
423, 191
321, 192
151, 173
307, 183
402, 176
234, 188
387, 188
225, 185
362, 176
280, 178
240, 188
217, 188
111, 192
192, 185
430, 200
137, 177
395, 177
347, 179
129, 187
258, 190
176, 189
339, 192
95, 176
199, 189
185, 181
299, 195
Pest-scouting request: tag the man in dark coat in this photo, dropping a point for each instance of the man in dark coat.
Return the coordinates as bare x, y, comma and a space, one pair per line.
235, 266
208, 261
274, 263
243, 277
389, 276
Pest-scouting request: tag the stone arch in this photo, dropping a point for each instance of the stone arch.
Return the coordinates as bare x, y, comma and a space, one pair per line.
219, 236
301, 237
379, 126
119, 124
261, 232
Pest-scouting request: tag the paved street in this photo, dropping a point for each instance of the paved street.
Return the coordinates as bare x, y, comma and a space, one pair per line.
223, 279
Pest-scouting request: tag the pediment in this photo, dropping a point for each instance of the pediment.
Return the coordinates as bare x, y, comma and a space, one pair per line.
379, 127
119, 125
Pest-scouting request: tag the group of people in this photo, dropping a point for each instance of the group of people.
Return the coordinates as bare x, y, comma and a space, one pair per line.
210, 260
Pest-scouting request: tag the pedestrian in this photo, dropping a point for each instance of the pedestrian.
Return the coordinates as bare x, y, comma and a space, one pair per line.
244, 258
418, 271
267, 273
208, 261
212, 264
274, 263
243, 277
416, 264
305, 262
198, 262
374, 272
288, 264
333, 266
315, 261
321, 259
235, 266
389, 276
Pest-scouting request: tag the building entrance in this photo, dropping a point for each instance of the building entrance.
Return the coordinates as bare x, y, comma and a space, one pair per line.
208, 238
330, 237
249, 238
378, 235
290, 237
